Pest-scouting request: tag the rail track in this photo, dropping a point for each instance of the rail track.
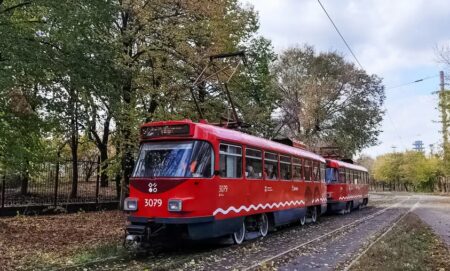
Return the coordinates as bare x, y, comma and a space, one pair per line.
279, 255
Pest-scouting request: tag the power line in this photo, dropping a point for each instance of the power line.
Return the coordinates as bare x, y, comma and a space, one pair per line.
359, 63
413, 82
342, 37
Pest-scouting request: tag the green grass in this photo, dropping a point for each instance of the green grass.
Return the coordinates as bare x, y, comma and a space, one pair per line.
51, 261
411, 245
99, 253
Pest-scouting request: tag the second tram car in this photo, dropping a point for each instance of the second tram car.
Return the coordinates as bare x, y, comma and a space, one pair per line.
347, 186
206, 181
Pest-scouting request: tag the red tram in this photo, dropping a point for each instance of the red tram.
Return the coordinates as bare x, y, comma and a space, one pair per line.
206, 181
347, 186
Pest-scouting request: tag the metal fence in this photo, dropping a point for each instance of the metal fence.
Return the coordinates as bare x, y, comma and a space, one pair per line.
51, 184
441, 185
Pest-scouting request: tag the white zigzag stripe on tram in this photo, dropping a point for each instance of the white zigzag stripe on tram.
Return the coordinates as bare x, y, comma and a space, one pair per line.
351, 197
257, 207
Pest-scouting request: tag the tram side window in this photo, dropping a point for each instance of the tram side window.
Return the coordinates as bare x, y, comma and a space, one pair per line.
322, 172
342, 175
230, 161
348, 175
307, 170
315, 171
285, 167
271, 166
298, 172
253, 164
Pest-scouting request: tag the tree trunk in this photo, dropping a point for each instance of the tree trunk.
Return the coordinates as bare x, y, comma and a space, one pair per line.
74, 152
104, 165
74, 141
127, 99
118, 188
24, 183
102, 146
127, 145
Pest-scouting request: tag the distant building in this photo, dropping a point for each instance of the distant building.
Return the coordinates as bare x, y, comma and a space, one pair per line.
418, 146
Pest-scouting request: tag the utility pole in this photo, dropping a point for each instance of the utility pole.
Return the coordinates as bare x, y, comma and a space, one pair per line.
444, 105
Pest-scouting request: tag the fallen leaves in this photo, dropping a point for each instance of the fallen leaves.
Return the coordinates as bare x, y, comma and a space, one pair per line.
30, 241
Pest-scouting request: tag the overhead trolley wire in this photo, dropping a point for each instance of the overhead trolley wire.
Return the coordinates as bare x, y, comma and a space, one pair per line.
360, 65
413, 82
342, 37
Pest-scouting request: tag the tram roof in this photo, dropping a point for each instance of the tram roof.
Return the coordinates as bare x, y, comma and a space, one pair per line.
346, 165
232, 136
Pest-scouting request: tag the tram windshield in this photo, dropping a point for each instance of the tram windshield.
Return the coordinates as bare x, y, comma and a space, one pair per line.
330, 175
175, 159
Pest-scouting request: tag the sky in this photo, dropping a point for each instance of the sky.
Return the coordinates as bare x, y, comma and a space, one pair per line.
396, 40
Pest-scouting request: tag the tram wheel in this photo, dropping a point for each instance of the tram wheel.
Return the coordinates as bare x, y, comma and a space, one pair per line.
360, 206
239, 235
263, 225
314, 214
348, 208
303, 220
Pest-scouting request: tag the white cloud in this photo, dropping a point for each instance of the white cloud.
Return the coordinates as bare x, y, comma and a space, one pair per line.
394, 39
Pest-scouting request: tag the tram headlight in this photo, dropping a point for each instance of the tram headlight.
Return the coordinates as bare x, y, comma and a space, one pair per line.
175, 205
131, 204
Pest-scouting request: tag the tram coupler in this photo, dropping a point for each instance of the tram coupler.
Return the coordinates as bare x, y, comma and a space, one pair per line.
134, 236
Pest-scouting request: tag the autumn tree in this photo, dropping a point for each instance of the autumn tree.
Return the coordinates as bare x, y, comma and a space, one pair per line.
21, 124
161, 49
327, 101
408, 170
367, 162
60, 60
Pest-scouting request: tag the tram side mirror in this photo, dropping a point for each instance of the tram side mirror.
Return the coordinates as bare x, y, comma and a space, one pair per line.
216, 172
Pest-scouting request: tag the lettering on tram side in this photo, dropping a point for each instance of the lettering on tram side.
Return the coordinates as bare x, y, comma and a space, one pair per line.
223, 188
153, 202
294, 188
268, 189
152, 188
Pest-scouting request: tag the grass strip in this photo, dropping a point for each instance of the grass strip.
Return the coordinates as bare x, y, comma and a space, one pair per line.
410, 245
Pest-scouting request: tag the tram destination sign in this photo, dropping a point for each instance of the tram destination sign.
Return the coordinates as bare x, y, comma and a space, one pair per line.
166, 130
